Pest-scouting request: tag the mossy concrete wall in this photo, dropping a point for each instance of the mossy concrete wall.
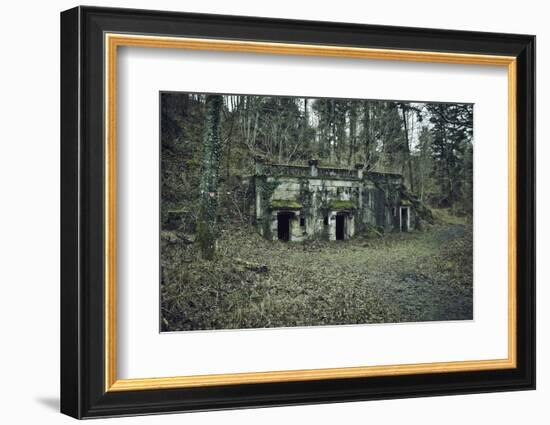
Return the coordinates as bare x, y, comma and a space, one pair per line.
314, 202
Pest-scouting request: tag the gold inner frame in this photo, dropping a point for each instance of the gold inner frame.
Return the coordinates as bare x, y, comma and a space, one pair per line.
113, 41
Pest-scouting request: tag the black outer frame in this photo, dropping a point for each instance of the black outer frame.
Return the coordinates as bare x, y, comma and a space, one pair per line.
82, 212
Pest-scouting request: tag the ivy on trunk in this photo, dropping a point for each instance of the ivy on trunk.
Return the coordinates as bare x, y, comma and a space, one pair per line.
209, 183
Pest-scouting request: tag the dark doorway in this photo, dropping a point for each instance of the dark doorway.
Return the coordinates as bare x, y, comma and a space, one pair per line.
404, 219
283, 226
340, 227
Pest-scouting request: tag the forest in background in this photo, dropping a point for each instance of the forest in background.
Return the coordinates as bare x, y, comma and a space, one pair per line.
430, 144
217, 272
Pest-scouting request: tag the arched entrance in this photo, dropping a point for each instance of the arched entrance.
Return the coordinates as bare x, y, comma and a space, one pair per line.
283, 225
404, 219
341, 226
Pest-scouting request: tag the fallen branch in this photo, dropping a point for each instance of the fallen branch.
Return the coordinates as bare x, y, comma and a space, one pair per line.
255, 267
174, 237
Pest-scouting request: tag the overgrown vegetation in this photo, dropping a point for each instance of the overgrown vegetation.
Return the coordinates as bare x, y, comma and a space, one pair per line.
374, 278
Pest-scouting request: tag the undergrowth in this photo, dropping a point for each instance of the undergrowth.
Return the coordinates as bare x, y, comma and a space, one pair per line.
389, 278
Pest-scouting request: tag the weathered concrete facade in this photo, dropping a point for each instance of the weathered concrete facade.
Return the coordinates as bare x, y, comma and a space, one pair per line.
295, 203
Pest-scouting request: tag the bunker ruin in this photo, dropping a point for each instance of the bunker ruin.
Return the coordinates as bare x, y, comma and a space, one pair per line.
296, 203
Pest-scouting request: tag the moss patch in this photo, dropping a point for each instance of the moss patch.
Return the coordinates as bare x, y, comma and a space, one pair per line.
341, 205
279, 204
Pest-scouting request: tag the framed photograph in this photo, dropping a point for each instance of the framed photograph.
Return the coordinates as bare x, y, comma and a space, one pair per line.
261, 212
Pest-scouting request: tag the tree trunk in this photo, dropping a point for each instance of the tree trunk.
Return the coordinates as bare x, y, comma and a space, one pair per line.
408, 147
367, 135
305, 124
352, 132
229, 140
212, 145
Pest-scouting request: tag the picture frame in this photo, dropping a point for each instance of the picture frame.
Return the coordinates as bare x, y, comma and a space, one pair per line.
90, 39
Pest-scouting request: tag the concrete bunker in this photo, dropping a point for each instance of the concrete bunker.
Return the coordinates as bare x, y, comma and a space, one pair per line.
295, 203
